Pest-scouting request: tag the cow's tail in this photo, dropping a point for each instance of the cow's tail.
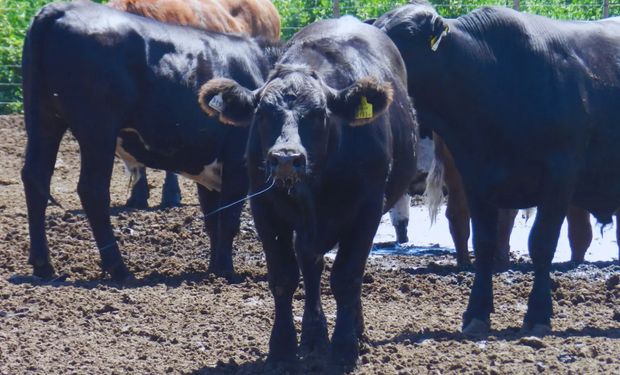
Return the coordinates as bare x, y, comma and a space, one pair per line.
31, 59
434, 188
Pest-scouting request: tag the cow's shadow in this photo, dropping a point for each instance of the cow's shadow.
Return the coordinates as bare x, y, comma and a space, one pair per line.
447, 269
506, 334
152, 279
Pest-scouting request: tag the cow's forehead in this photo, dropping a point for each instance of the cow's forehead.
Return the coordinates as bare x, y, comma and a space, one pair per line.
296, 88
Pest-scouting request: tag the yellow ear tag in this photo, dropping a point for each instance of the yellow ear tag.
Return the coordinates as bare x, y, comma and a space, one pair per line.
365, 109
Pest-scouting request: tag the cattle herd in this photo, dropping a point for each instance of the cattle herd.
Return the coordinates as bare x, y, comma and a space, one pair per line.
322, 130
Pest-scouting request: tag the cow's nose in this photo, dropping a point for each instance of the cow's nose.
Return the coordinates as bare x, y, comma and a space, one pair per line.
286, 159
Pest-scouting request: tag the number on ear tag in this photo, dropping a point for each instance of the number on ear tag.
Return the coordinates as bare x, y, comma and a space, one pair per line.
217, 103
365, 109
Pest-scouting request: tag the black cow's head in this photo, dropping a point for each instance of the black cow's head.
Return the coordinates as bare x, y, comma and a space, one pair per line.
417, 26
293, 115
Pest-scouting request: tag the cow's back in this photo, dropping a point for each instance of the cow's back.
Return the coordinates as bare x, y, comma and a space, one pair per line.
258, 18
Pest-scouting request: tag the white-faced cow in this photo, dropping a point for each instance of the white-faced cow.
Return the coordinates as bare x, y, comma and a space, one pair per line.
528, 107
333, 128
257, 18
120, 81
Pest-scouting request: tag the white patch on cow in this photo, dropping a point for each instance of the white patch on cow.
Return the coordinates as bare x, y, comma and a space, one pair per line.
132, 166
425, 152
210, 177
400, 211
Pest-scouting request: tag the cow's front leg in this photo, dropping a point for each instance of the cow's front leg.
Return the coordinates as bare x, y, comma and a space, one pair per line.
283, 275
346, 284
97, 159
476, 319
542, 243
314, 326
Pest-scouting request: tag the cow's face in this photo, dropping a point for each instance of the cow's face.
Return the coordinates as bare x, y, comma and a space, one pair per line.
294, 115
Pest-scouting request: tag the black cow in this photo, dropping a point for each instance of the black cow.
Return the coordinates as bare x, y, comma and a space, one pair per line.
126, 83
333, 128
528, 106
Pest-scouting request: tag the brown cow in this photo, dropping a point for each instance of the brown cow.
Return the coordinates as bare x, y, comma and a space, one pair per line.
257, 18
252, 17
444, 171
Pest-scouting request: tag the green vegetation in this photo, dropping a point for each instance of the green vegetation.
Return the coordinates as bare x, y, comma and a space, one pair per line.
15, 15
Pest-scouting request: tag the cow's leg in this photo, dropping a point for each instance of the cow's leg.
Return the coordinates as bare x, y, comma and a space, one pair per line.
283, 276
44, 136
209, 202
97, 159
542, 242
476, 319
346, 285
234, 188
618, 232
579, 233
399, 215
505, 222
170, 192
139, 197
314, 326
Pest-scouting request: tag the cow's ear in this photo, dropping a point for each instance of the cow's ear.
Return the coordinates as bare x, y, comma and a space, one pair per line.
362, 102
233, 103
439, 29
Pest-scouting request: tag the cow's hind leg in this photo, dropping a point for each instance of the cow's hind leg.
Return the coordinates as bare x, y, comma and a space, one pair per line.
283, 275
542, 243
399, 215
139, 197
97, 144
170, 192
505, 222
476, 319
209, 202
579, 233
44, 136
314, 325
222, 226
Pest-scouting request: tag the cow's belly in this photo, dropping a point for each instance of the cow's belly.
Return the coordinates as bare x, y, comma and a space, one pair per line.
210, 176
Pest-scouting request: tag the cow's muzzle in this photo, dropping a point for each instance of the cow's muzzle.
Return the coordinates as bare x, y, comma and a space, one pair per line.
286, 167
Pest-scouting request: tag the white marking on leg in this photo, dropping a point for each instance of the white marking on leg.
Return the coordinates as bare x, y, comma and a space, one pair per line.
210, 177
400, 211
132, 166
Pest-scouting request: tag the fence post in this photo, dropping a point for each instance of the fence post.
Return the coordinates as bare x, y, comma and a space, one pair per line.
336, 8
605, 8
515, 4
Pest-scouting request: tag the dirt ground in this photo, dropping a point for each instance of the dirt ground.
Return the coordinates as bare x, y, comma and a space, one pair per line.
178, 319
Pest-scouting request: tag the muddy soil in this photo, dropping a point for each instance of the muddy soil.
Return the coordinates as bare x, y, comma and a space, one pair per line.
179, 319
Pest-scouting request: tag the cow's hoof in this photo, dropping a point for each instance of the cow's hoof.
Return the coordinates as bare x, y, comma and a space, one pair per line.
225, 271
344, 353
401, 232
120, 274
137, 203
314, 338
538, 330
168, 202
477, 328
44, 270
501, 265
283, 347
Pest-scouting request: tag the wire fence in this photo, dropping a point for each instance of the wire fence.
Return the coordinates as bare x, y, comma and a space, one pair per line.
15, 16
